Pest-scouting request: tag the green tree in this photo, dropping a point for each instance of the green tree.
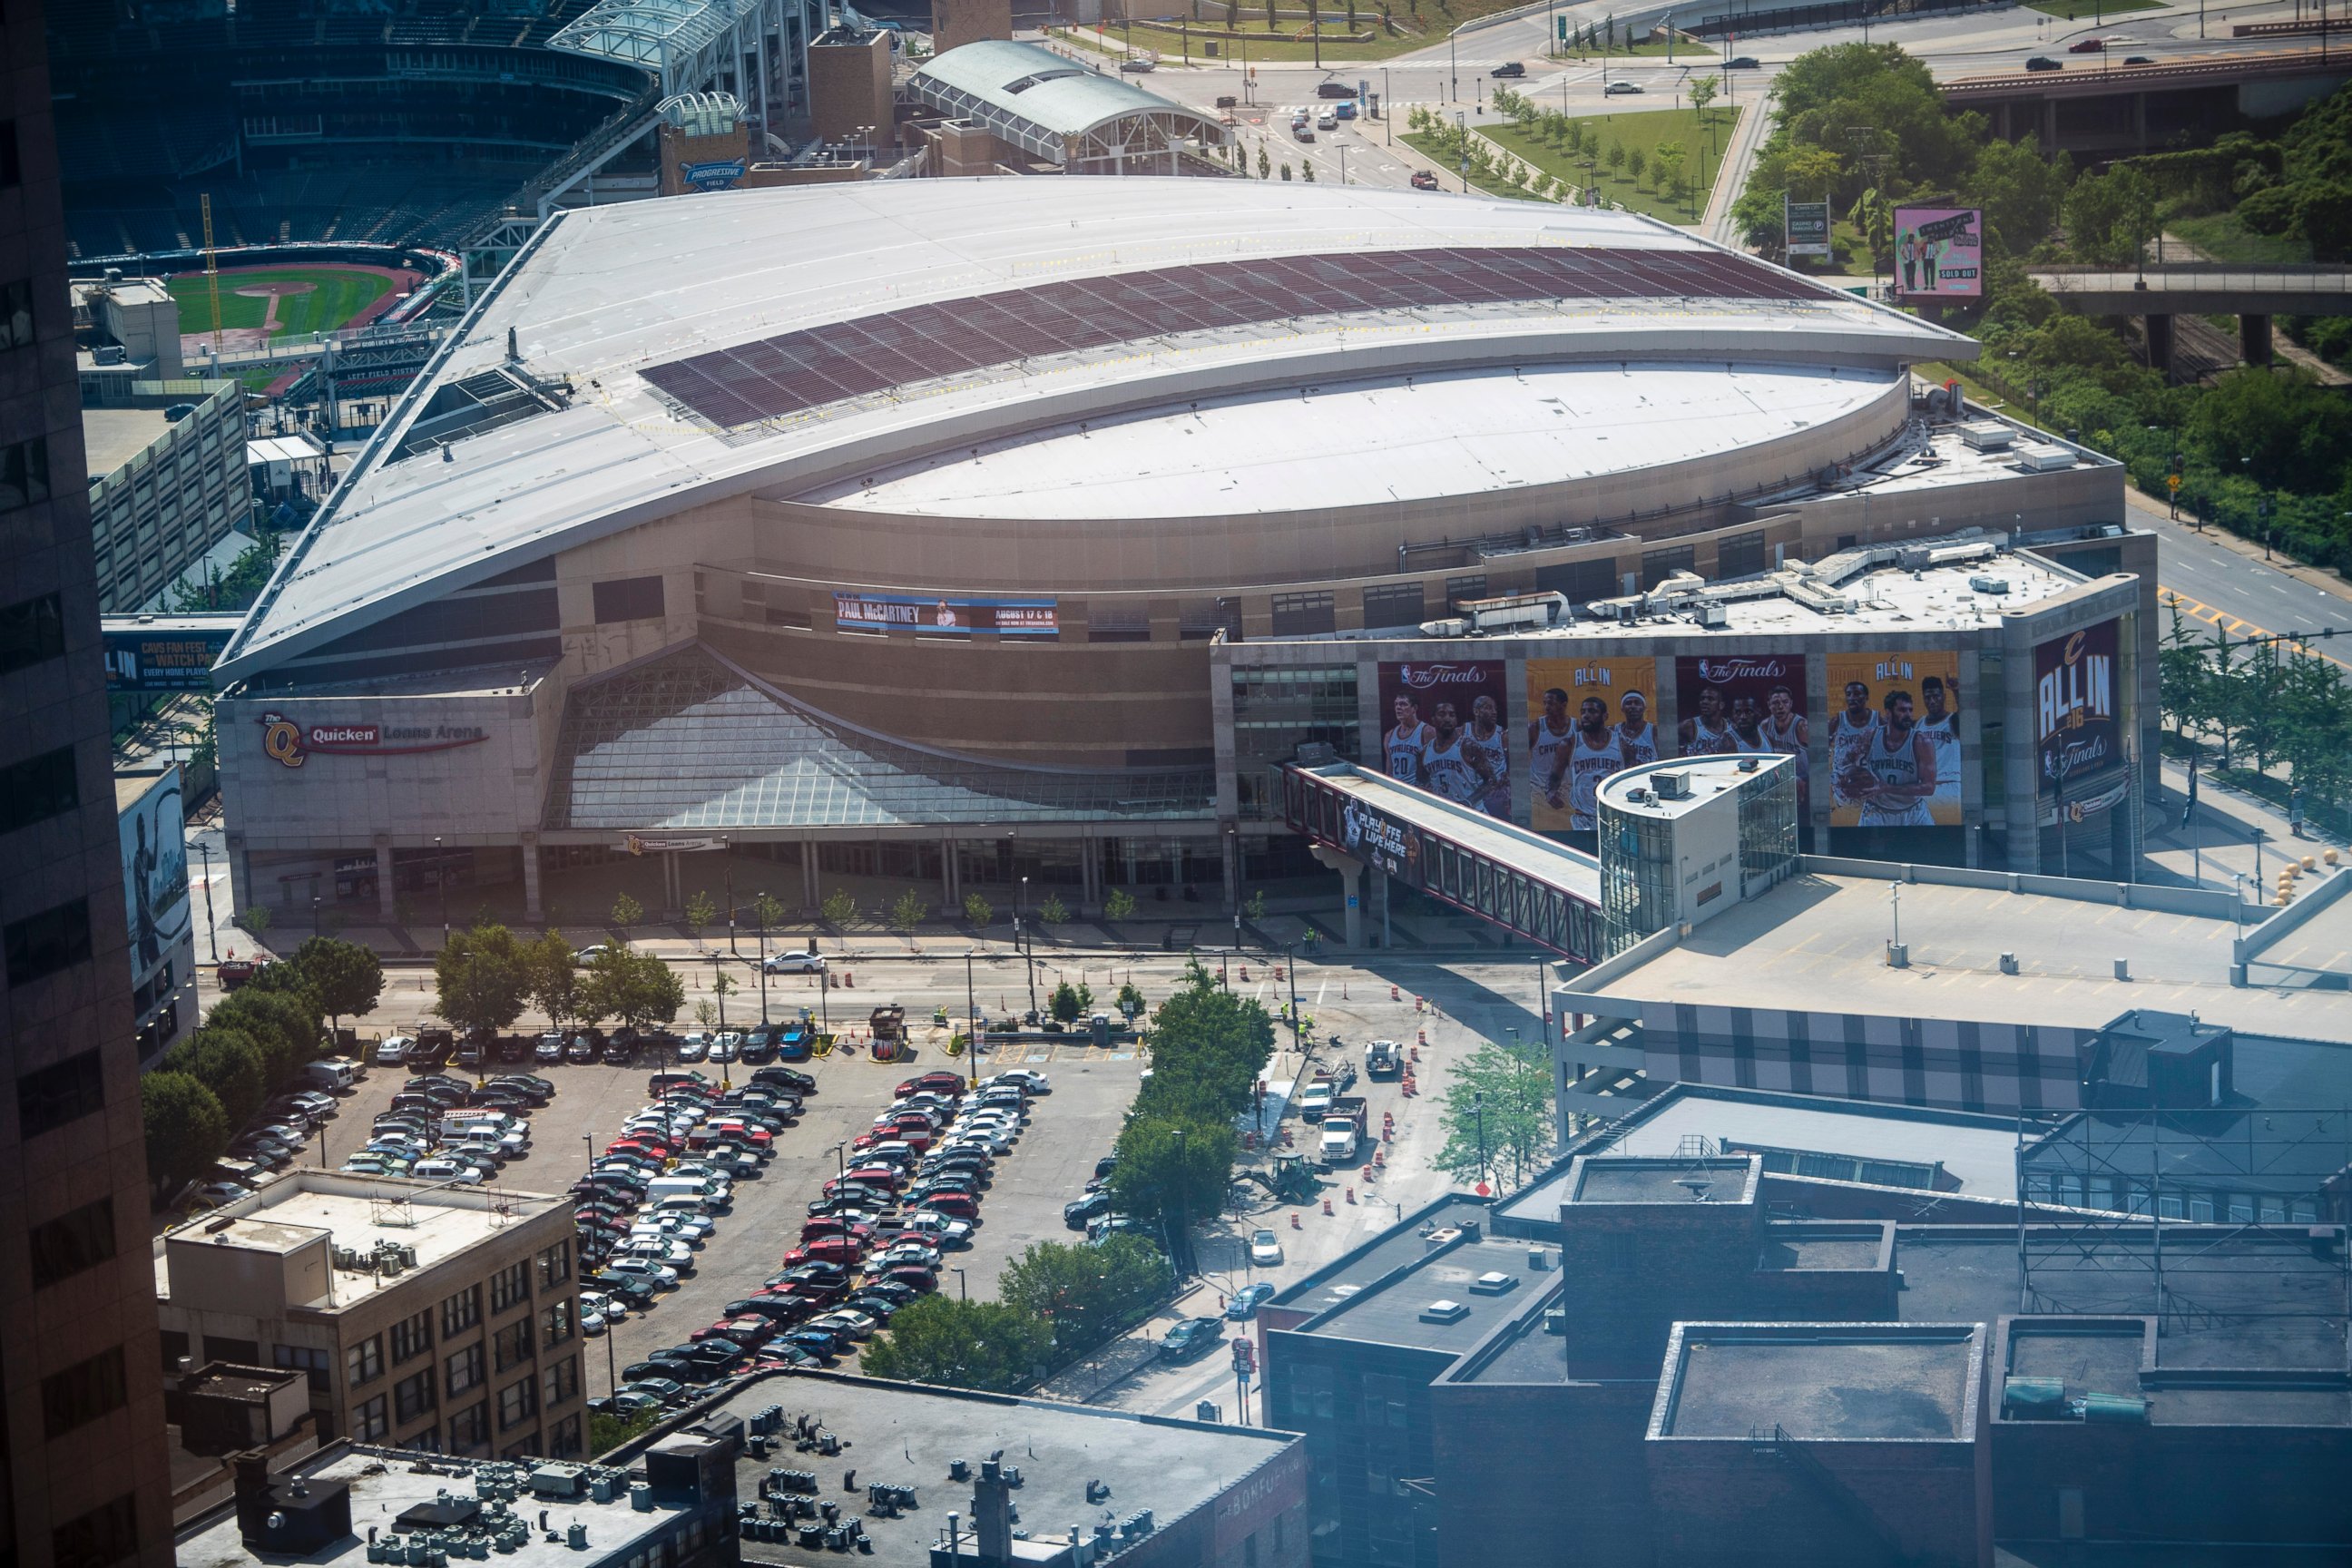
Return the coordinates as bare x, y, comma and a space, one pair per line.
978, 911
1874, 214
550, 978
256, 920
1500, 1103
282, 1025
480, 977
186, 1128
225, 1061
1173, 1171
700, 910
1120, 905
346, 977
1130, 999
626, 913
839, 908
2316, 727
909, 913
984, 1345
1265, 162
1702, 93
1615, 157
1636, 161
1064, 1003
2022, 192
2180, 666
637, 988
606, 1432
1053, 911
2110, 216
1087, 1294
767, 911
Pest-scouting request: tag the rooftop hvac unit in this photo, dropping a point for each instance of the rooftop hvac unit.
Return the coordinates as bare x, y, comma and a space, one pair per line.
1982, 583
1637, 798
2040, 458
1987, 435
1494, 1282
1710, 614
1449, 626
1671, 785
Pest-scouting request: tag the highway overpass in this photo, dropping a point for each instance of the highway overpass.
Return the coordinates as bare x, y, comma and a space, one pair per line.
2252, 294
2097, 103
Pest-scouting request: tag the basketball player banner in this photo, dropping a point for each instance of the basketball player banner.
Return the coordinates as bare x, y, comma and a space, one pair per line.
1894, 744
1587, 718
1734, 703
1446, 730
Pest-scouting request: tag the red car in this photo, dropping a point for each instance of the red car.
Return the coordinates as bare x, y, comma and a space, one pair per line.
955, 1206
885, 1177
826, 1224
940, 1082
2086, 46
748, 1330
841, 1250
1422, 180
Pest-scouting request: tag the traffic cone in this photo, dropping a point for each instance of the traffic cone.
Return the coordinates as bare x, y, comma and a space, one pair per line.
1294, 1221
1392, 993
1380, 1157
1351, 1196
1327, 1205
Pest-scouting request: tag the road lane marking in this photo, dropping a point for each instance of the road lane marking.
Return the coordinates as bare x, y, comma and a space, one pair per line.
2197, 610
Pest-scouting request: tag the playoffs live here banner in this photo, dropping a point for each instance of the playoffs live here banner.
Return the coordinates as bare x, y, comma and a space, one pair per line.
1447, 731
948, 617
1894, 741
1587, 718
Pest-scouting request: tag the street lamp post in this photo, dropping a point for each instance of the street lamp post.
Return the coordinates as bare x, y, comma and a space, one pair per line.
441, 884
1461, 129
1183, 1209
963, 1289
211, 934
972, 1023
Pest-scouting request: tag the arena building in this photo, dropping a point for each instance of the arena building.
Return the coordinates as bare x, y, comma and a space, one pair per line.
888, 529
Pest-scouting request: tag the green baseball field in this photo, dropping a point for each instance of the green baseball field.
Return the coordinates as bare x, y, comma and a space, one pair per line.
306, 298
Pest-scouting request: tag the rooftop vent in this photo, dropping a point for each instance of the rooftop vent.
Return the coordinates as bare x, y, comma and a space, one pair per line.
1444, 1313
1987, 435
1671, 785
1494, 1282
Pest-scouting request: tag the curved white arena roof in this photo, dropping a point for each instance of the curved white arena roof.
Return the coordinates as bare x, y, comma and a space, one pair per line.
1449, 434
659, 314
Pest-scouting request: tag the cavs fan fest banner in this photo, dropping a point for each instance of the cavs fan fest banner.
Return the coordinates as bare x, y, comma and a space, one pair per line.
1732, 703
1894, 741
2078, 743
1447, 730
1587, 718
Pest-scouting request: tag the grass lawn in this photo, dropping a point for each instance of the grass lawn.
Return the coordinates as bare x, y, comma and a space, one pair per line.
1427, 143
2221, 236
1644, 129
1288, 47
337, 294
2092, 10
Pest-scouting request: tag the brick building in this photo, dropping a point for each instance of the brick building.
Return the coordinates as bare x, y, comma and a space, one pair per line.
426, 1317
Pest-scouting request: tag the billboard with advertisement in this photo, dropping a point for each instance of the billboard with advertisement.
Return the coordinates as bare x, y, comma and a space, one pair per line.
153, 834
1894, 741
947, 616
1377, 841
1587, 718
1939, 253
1732, 703
2077, 734
1446, 729
147, 659
1806, 227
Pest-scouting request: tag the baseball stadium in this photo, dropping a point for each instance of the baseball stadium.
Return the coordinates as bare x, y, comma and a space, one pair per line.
963, 532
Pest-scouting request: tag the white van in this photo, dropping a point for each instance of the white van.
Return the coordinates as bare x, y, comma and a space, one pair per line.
331, 1077
709, 1192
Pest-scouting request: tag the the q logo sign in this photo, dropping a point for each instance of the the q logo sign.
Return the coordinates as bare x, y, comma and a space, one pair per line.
281, 741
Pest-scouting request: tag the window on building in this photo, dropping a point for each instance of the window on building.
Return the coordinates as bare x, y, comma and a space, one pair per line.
563, 1440
510, 1287
628, 599
109, 1532
555, 1324
38, 789
555, 1265
424, 1440
236, 1353
511, 1345
42, 944
1305, 615
1394, 604
16, 314
309, 1359
1198, 619
83, 1392
413, 1396
24, 472
76, 1240
31, 630
517, 1402
1741, 556
364, 1363
525, 1447
373, 1419
412, 1337
1657, 565
48, 1097
465, 1369
561, 1381
1117, 623
461, 1312
1473, 586
470, 1428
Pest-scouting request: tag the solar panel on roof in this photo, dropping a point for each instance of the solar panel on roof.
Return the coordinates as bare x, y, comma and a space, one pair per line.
808, 369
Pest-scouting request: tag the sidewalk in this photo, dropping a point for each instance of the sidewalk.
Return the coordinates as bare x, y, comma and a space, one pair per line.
2220, 848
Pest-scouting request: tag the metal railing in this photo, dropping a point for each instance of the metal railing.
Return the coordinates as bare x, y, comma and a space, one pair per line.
2254, 277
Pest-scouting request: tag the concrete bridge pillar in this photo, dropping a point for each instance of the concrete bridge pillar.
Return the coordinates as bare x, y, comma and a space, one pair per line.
1352, 882
2159, 343
2049, 126
2254, 338
2139, 119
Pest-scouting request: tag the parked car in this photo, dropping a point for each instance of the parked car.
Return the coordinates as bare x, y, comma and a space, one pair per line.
1078, 1212
1135, 65
1509, 68
580, 1052
550, 1050
1266, 1249
810, 962
1025, 1080
1247, 1301
1322, 89
789, 1078
214, 1194
1191, 1338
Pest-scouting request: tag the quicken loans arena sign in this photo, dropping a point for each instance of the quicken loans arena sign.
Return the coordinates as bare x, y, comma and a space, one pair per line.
291, 744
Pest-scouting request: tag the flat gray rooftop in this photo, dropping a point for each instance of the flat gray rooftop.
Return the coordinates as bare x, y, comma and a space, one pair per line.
1616, 1181
112, 436
906, 1434
1392, 1315
1389, 1249
1820, 1384
1796, 1251
1819, 943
